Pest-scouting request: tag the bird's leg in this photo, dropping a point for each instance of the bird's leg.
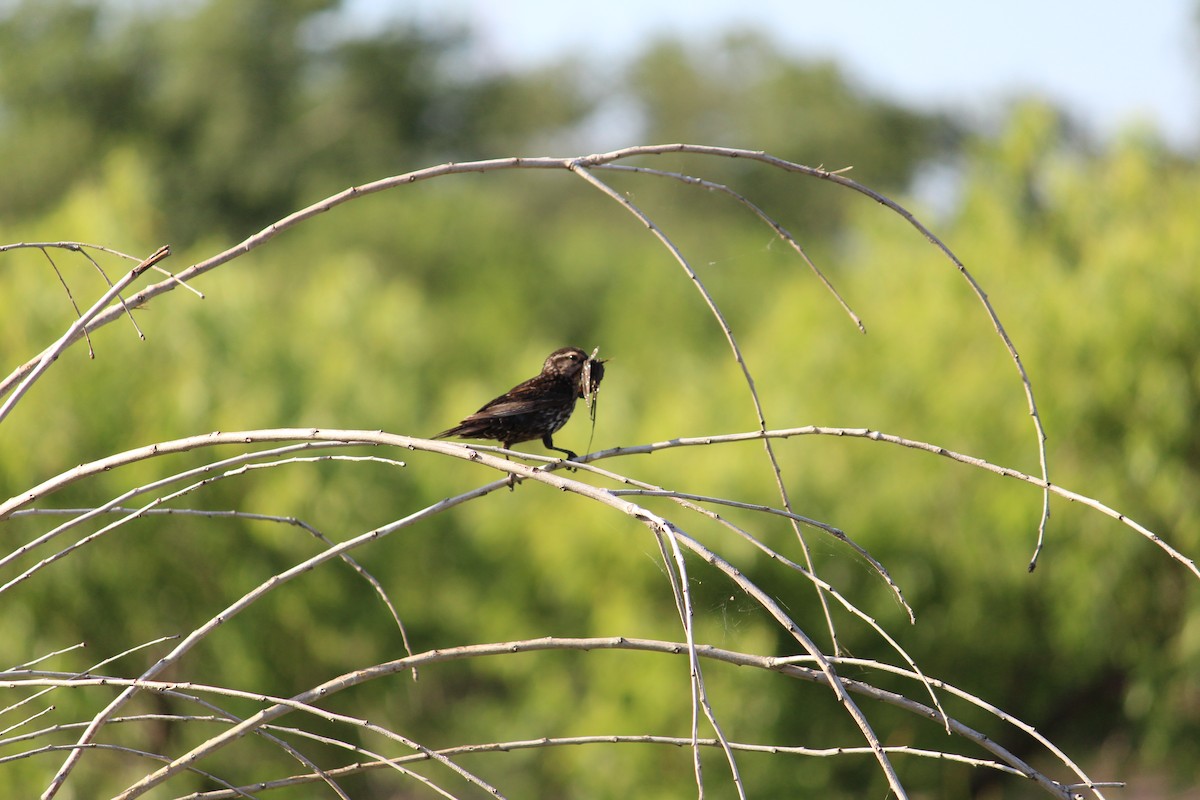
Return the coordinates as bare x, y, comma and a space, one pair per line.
512, 476
548, 441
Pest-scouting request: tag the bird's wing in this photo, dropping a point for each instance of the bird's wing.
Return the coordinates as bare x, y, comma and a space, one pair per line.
509, 406
531, 396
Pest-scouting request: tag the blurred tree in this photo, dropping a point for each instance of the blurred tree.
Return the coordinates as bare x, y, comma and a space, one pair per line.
248, 109
65, 94
742, 91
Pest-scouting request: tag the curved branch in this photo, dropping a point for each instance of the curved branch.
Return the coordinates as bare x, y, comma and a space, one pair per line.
652, 521
785, 666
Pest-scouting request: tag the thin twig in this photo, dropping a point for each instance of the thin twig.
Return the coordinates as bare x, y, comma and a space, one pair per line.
50, 354
879, 436
244, 515
48, 656
999, 713
120, 299
688, 500
821, 584
76, 748
610, 739
84, 247
780, 231
71, 297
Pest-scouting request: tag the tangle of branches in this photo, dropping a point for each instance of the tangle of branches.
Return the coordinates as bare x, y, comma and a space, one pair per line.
32, 731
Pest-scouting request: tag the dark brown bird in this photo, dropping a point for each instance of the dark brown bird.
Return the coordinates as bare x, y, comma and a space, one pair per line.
537, 408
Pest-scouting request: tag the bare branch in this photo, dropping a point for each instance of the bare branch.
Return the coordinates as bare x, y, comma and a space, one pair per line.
76, 330
785, 666
673, 541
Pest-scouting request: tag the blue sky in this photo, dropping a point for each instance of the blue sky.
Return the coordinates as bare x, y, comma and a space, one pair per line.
1110, 63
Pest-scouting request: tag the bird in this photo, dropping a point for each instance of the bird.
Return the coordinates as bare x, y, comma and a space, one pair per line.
538, 407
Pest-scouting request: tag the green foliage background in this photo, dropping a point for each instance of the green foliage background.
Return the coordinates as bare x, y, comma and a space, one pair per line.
403, 311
